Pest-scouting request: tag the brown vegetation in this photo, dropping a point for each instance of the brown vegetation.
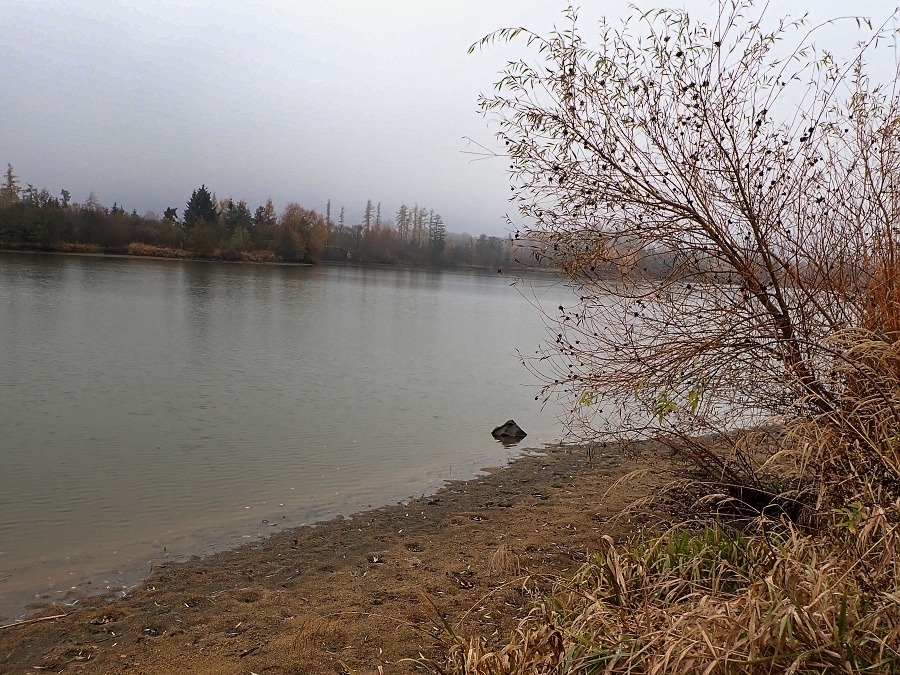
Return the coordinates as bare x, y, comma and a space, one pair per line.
770, 177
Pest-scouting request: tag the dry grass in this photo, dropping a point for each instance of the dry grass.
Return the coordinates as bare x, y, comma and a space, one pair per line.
148, 250
505, 561
260, 256
766, 595
139, 249
714, 601
75, 247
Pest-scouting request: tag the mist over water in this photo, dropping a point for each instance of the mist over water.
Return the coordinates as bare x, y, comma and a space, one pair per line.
150, 404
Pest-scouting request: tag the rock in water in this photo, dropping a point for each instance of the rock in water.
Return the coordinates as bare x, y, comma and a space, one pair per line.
509, 430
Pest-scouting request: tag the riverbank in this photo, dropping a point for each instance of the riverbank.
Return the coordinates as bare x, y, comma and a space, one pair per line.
257, 258
347, 594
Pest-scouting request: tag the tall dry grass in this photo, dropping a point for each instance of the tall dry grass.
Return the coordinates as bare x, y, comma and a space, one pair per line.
714, 601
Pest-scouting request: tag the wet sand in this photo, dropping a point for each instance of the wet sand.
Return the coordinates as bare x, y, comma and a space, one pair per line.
347, 595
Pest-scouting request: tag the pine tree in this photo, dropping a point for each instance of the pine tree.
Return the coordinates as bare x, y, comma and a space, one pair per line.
367, 218
438, 232
403, 223
416, 218
265, 215
9, 191
93, 203
200, 208
423, 214
237, 215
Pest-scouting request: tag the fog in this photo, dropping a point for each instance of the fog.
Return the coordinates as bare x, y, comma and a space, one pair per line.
301, 101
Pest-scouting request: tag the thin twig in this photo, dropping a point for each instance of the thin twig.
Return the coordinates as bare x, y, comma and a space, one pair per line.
40, 618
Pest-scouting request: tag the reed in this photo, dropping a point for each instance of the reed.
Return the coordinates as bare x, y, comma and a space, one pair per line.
714, 600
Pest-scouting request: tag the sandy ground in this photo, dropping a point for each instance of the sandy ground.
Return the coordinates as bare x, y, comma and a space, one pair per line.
348, 595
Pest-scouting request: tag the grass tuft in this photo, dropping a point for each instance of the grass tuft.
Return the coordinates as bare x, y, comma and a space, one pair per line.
713, 600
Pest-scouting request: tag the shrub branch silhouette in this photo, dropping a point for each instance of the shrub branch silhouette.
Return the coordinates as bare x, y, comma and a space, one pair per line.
726, 207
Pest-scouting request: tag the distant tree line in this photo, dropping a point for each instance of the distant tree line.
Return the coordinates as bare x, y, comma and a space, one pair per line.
226, 229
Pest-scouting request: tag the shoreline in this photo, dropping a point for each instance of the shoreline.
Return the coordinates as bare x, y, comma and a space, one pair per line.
26, 588
348, 590
321, 263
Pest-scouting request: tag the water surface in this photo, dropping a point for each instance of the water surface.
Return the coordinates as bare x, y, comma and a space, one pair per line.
155, 408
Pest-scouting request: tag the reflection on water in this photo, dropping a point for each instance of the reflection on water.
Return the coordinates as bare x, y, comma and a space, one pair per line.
507, 442
145, 401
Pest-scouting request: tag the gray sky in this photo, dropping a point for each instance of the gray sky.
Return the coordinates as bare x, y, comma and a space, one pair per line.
141, 101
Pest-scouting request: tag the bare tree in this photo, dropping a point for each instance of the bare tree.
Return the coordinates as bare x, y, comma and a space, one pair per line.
726, 209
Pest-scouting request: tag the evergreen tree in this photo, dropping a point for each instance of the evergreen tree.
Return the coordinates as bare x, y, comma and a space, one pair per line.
93, 203
438, 232
420, 240
416, 224
200, 208
265, 215
367, 218
9, 192
403, 223
237, 215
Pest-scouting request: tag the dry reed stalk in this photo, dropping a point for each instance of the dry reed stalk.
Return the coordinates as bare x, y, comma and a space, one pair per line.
25, 622
717, 602
504, 561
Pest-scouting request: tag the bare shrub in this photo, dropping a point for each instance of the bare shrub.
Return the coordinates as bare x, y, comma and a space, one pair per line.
725, 208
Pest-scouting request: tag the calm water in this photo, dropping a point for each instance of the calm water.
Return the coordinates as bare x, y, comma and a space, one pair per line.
153, 409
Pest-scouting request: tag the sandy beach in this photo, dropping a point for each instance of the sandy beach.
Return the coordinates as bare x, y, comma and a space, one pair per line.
348, 595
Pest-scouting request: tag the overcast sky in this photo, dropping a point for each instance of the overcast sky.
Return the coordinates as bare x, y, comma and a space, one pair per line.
347, 100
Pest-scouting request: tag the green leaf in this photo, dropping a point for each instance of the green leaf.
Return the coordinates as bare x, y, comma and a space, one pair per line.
665, 405
695, 394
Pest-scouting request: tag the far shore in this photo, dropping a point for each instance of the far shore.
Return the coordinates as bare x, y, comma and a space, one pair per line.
329, 263
355, 593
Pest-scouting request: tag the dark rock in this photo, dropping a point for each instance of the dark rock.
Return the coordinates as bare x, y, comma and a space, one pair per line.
509, 430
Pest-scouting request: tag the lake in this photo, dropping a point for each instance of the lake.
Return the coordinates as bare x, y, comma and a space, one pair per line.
155, 409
